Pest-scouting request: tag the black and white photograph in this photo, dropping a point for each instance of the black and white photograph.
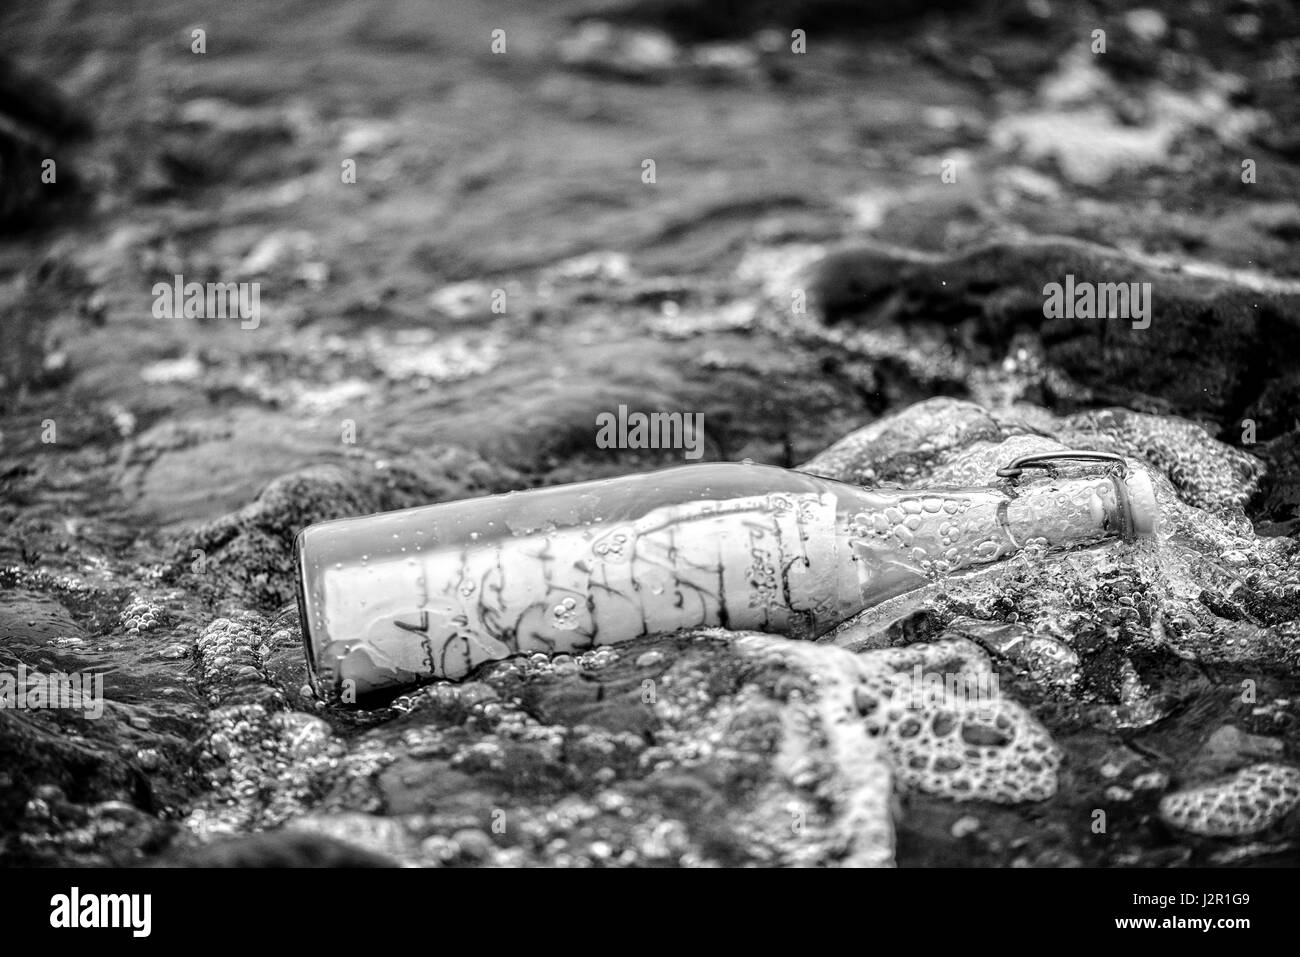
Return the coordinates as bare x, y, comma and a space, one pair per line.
650, 434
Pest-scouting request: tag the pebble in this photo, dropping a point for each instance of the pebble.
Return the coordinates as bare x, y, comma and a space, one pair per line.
473, 843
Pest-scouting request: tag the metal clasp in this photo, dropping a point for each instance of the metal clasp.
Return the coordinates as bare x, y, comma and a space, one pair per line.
1117, 472
1042, 460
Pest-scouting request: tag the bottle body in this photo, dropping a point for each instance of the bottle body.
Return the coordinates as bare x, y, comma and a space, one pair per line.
432, 592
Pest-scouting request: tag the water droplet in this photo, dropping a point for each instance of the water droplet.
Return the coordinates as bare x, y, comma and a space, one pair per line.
564, 615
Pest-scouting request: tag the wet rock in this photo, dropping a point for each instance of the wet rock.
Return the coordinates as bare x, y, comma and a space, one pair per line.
463, 300
632, 54
194, 469
37, 122
1228, 748
248, 554
1082, 121
1280, 490
53, 777
38, 630
899, 447
277, 849
426, 356
717, 750
695, 21
42, 308
183, 155
1244, 328
291, 254
759, 748
1049, 662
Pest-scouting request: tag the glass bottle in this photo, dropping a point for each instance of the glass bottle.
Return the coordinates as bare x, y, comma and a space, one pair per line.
393, 599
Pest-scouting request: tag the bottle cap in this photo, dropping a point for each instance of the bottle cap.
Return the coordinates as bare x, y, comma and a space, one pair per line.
1143, 510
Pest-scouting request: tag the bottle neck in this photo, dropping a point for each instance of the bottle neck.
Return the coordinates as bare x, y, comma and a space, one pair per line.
898, 536
1063, 513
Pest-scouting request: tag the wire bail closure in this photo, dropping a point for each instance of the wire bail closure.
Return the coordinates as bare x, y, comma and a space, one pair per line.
1044, 460
1117, 470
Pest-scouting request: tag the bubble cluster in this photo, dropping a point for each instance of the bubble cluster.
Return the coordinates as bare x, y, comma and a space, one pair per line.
1252, 800
613, 546
937, 710
955, 737
564, 614
930, 518
247, 746
141, 615
896, 447
230, 663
